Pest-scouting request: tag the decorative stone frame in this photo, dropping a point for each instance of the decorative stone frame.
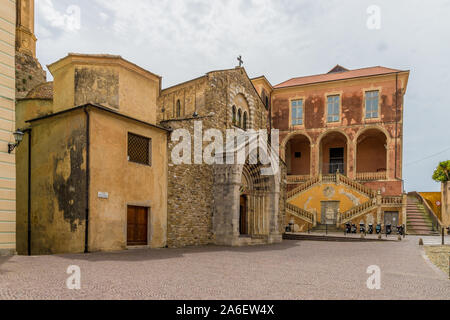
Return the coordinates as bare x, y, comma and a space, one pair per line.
330, 94
299, 126
364, 106
233, 92
227, 192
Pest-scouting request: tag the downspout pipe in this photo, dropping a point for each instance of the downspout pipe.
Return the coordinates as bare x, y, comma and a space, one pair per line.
86, 235
29, 194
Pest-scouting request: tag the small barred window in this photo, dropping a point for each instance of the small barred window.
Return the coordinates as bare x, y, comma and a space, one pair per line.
139, 149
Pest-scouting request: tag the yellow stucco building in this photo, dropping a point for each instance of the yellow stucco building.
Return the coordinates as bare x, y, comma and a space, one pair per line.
7, 125
94, 174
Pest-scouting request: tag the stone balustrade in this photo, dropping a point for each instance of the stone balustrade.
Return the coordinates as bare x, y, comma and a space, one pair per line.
371, 176
294, 179
299, 212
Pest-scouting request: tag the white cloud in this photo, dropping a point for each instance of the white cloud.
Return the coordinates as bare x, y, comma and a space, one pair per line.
182, 39
70, 20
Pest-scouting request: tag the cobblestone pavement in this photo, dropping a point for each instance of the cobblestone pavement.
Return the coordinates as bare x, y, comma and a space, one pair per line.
291, 270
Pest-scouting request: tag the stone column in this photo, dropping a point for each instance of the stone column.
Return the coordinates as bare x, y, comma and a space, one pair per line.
226, 219
351, 161
379, 209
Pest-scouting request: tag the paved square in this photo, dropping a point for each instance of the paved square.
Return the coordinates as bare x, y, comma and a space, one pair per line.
291, 270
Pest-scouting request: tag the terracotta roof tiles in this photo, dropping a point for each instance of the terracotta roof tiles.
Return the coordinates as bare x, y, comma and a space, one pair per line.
334, 76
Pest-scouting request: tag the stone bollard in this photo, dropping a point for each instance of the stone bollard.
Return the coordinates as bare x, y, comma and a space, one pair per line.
379, 237
420, 242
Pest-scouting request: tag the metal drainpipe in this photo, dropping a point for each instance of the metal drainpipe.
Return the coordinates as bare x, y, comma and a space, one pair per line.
29, 192
86, 237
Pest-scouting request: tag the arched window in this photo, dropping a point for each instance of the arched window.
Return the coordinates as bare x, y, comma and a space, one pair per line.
178, 111
234, 115
239, 119
245, 120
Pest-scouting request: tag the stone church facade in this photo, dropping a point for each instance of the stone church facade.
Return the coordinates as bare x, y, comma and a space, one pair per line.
219, 204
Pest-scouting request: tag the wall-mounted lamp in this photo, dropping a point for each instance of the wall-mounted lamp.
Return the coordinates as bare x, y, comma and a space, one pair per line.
18, 137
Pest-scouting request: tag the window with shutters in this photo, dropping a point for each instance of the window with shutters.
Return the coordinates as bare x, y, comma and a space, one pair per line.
139, 149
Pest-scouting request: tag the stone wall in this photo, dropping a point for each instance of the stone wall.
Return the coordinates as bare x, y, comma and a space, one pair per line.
190, 196
29, 74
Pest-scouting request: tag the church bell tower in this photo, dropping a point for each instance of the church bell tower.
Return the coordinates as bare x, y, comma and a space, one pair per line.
25, 38
29, 72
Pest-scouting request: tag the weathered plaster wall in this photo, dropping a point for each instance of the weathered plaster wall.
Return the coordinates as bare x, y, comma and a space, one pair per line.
127, 183
97, 84
58, 184
371, 155
312, 199
30, 109
301, 165
387, 188
106, 80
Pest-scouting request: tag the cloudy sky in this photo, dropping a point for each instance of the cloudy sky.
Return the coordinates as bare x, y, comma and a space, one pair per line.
183, 39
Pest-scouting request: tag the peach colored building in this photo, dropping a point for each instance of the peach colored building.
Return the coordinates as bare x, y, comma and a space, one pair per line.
344, 127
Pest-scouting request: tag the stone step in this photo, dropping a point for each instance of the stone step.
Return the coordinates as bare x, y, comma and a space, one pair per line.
420, 227
307, 237
423, 233
418, 219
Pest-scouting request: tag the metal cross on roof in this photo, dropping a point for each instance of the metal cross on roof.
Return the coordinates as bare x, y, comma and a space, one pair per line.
241, 62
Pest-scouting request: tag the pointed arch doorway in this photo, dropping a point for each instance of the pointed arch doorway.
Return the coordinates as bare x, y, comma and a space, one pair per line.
243, 215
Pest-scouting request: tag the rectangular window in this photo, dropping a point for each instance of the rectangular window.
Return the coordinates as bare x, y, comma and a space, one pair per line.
372, 100
297, 112
333, 108
139, 149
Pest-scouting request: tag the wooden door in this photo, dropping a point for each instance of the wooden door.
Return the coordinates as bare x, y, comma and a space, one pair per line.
329, 212
391, 218
243, 219
137, 226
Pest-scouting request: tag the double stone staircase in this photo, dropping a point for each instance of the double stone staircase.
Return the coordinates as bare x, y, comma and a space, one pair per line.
375, 199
